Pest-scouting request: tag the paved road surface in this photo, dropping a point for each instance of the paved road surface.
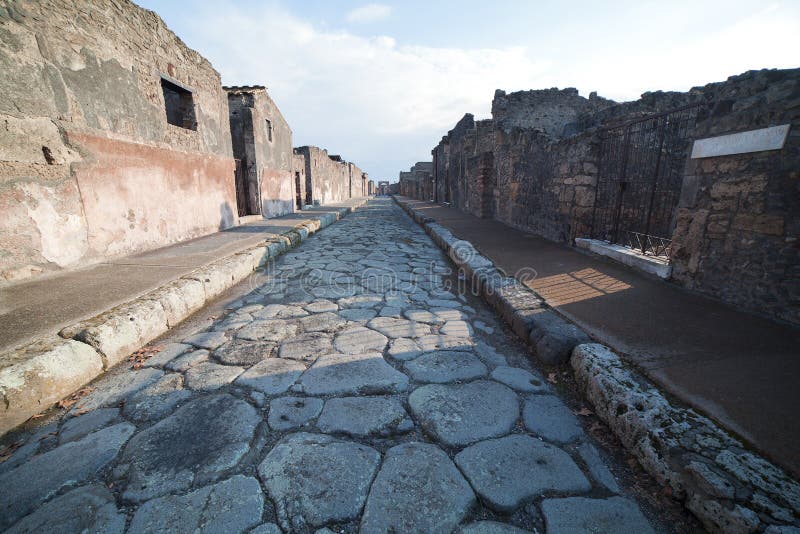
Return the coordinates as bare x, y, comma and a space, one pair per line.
350, 389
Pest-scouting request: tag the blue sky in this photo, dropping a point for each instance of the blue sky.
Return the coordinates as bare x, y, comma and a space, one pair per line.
380, 83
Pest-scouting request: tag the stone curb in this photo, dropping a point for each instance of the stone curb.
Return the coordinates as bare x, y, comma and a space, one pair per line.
727, 487
48, 370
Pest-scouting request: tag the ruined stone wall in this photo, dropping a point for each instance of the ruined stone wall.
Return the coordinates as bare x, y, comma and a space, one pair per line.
330, 179
300, 180
262, 139
89, 165
417, 182
738, 220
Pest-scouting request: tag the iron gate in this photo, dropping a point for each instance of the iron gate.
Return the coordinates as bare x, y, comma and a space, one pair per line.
639, 180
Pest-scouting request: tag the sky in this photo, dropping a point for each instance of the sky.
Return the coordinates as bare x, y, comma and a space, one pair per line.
381, 83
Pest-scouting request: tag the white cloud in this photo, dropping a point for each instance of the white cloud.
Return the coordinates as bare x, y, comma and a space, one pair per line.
369, 13
381, 104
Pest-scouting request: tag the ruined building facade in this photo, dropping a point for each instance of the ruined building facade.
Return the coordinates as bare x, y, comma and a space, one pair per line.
328, 178
117, 138
568, 167
417, 182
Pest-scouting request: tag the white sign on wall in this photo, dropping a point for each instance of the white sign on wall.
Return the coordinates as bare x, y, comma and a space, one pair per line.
772, 138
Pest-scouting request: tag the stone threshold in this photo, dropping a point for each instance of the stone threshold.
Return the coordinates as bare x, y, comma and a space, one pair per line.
44, 371
627, 256
727, 487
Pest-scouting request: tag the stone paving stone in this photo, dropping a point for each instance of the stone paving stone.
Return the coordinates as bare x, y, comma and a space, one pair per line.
362, 416
508, 471
597, 469
280, 311
194, 445
207, 340
208, 376
321, 306
489, 355
441, 342
314, 479
241, 352
358, 314
268, 330
185, 361
461, 414
358, 339
85, 424
491, 527
167, 353
273, 376
520, 379
115, 389
580, 514
157, 400
322, 322
456, 328
293, 412
394, 328
361, 301
421, 316
443, 366
267, 528
339, 374
418, 489
233, 505
23, 489
85, 509
404, 349
306, 346
390, 311
548, 417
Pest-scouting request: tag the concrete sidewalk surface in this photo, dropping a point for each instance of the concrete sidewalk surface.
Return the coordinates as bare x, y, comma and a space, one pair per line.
110, 309
739, 369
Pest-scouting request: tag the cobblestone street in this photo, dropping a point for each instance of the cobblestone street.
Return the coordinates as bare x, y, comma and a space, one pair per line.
351, 387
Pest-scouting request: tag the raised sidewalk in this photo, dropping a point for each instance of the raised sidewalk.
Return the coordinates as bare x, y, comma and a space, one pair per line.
108, 310
739, 369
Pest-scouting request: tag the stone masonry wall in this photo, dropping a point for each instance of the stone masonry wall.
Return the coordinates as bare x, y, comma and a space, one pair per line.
89, 165
331, 180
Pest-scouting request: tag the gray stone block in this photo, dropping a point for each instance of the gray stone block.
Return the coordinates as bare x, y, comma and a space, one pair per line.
581, 514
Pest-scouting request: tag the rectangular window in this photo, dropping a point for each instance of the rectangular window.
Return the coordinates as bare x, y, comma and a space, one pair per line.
269, 130
179, 105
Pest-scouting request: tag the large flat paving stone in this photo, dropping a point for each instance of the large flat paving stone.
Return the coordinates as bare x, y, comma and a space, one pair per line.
362, 416
307, 347
548, 417
491, 527
234, 505
244, 353
506, 472
23, 489
461, 414
194, 445
315, 479
268, 330
158, 400
404, 349
443, 366
208, 376
85, 509
418, 489
441, 342
293, 412
323, 322
339, 374
597, 516
358, 339
272, 376
78, 427
116, 388
520, 379
393, 327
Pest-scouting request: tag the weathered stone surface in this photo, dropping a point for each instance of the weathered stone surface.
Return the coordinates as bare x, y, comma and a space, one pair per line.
293, 412
314, 479
359, 315
580, 514
80, 426
554, 338
115, 389
194, 445
272, 376
491, 527
442, 342
169, 352
85, 509
245, 353
418, 489
359, 339
422, 316
443, 366
267, 330
404, 349
233, 505
456, 329
321, 306
489, 355
394, 328
520, 379
280, 311
306, 346
207, 340
361, 301
322, 322
157, 400
508, 471
208, 376
183, 362
23, 489
361, 416
267, 528
548, 417
368, 373
461, 414
597, 469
